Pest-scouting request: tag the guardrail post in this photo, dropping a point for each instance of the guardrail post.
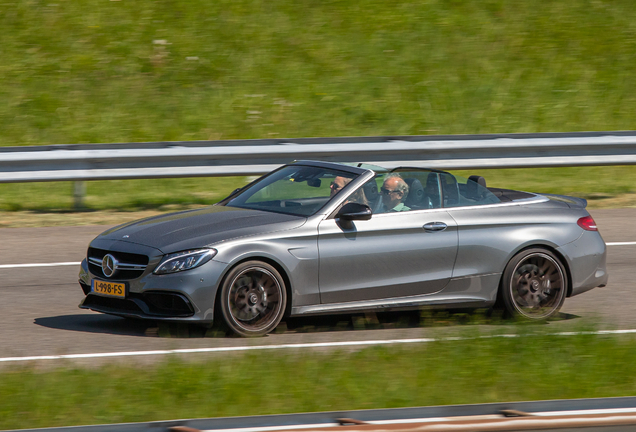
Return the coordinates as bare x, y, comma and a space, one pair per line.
79, 191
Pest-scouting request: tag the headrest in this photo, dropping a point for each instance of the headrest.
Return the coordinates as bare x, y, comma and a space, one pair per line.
478, 179
370, 190
416, 193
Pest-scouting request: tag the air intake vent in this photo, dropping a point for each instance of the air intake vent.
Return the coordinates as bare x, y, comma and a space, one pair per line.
155, 303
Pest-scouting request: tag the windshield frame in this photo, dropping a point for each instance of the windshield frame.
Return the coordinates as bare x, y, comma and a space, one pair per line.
259, 184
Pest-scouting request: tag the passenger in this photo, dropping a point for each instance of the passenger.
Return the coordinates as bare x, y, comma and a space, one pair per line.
394, 191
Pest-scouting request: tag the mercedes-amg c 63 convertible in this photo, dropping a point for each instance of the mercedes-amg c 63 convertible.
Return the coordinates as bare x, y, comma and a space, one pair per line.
323, 238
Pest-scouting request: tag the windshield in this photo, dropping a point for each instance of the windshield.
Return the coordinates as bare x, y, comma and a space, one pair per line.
294, 189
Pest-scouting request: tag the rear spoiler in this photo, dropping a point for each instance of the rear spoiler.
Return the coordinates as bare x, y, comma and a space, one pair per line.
571, 201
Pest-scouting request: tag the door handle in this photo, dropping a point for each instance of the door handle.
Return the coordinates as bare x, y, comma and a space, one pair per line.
435, 226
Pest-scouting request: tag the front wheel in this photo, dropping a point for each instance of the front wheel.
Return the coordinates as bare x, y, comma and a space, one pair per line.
534, 284
253, 299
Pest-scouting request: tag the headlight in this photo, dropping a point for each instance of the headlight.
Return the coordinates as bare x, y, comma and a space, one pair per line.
185, 260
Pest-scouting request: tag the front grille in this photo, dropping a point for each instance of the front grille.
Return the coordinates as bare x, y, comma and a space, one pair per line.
131, 266
152, 303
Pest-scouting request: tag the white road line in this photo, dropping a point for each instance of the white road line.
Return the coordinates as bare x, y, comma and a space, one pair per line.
219, 349
285, 346
9, 266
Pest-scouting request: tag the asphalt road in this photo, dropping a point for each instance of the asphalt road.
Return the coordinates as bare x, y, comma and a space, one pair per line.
39, 314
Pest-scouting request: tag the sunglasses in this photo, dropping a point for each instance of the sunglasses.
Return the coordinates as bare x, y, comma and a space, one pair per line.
386, 191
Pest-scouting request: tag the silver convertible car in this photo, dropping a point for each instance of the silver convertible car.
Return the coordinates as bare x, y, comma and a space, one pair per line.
322, 238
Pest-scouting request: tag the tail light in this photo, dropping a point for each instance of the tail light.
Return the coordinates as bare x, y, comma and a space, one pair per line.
587, 223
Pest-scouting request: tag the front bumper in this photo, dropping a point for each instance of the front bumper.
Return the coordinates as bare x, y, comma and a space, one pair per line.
185, 296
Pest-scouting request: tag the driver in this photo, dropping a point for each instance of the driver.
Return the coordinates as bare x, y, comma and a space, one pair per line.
338, 183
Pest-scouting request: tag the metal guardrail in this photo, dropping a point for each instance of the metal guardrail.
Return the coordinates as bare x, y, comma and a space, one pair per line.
314, 421
249, 157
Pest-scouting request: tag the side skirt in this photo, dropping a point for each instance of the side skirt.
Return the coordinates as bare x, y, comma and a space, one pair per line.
463, 292
401, 303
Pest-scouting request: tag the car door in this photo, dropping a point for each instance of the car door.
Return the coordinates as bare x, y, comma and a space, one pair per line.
391, 255
487, 230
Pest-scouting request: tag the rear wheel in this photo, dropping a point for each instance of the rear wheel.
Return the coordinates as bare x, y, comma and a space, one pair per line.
253, 298
534, 284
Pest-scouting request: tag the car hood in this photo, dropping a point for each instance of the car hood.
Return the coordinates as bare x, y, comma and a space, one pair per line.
199, 228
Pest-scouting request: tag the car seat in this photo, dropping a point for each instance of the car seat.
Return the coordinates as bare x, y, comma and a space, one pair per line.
450, 190
473, 191
432, 190
415, 198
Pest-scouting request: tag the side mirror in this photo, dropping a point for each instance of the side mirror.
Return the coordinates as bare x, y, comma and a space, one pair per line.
354, 211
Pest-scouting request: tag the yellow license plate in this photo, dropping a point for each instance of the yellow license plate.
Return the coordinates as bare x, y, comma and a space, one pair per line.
109, 288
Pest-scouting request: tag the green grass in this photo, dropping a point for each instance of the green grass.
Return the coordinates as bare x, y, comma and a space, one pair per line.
90, 71
439, 373
126, 195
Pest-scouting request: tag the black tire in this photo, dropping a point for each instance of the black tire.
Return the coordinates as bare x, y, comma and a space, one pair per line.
534, 285
253, 299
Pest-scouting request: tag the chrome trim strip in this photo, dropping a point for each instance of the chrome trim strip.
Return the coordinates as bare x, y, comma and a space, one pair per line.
458, 278
120, 265
398, 302
534, 200
125, 266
